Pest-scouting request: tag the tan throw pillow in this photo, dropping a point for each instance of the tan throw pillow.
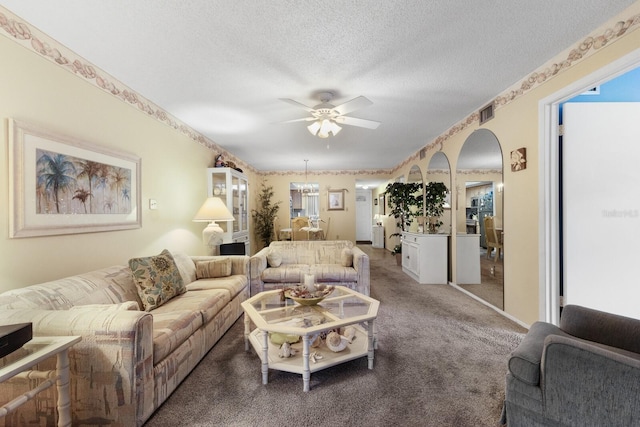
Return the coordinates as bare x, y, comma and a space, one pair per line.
157, 279
274, 258
346, 257
220, 267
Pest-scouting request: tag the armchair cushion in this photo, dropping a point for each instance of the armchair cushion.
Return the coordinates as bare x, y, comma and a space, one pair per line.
157, 279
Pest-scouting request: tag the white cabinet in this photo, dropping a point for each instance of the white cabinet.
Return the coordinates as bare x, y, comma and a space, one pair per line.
467, 259
425, 257
232, 187
377, 236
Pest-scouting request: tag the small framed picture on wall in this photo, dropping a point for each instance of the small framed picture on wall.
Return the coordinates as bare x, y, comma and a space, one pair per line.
336, 200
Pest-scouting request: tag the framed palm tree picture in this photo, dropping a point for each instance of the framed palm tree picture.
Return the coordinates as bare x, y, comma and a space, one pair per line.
60, 185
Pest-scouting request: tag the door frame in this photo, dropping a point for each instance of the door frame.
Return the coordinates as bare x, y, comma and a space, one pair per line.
549, 181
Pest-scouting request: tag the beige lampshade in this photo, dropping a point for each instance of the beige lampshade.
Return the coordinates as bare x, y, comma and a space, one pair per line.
211, 211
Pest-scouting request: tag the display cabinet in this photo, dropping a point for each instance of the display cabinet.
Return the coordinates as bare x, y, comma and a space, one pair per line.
233, 188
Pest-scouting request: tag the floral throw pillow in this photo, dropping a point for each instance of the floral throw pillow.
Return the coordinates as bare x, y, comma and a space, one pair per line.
157, 279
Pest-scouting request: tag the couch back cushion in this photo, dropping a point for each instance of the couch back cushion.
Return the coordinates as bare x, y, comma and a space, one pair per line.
311, 252
111, 285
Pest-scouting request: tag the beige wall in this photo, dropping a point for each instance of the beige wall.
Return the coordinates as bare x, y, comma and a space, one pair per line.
38, 91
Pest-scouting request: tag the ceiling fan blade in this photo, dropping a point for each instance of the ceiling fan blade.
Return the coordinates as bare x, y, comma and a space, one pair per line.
306, 119
297, 104
353, 105
353, 121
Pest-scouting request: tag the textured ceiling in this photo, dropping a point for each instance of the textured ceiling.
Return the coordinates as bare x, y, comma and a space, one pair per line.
221, 66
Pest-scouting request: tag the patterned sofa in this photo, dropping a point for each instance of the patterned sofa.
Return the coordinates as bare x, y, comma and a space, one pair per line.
334, 262
129, 360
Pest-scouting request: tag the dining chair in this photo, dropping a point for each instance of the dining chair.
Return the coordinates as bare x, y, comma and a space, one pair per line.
491, 238
297, 225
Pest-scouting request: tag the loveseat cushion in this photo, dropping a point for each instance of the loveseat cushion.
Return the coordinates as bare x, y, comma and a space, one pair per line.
274, 258
186, 266
171, 328
346, 257
524, 363
232, 285
110, 285
157, 279
286, 273
333, 273
129, 305
214, 268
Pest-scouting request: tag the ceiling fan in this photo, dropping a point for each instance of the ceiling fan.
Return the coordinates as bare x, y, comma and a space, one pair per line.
326, 117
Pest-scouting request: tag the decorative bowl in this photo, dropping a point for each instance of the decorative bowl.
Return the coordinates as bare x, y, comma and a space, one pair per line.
303, 296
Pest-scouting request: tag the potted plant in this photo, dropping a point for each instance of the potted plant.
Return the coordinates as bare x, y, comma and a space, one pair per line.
397, 251
265, 214
434, 198
405, 200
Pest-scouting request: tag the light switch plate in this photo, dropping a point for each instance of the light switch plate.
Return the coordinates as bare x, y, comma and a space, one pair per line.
153, 204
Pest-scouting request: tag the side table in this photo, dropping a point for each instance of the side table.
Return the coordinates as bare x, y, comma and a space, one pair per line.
32, 353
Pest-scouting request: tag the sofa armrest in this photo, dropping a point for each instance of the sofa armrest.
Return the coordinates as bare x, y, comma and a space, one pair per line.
601, 327
361, 265
258, 265
112, 363
588, 384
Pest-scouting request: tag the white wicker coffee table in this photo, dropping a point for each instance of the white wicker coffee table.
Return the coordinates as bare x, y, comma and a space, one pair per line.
343, 307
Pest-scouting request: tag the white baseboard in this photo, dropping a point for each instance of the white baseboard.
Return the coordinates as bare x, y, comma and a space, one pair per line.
496, 309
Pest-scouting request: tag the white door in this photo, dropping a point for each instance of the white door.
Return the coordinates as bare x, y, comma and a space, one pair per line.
364, 218
601, 206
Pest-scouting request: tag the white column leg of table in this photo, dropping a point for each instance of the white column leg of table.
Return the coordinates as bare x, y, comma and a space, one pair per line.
265, 357
306, 372
64, 401
247, 331
370, 346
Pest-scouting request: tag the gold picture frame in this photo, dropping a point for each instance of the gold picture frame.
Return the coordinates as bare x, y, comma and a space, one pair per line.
60, 185
335, 200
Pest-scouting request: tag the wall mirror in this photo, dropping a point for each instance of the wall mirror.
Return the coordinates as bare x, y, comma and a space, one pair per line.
479, 195
440, 171
304, 200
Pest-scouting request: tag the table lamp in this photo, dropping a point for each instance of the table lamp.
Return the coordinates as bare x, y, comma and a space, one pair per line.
211, 211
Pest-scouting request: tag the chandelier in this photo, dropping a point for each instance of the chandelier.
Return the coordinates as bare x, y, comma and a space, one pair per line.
306, 189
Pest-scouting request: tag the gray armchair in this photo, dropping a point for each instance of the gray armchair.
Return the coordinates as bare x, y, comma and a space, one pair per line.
584, 373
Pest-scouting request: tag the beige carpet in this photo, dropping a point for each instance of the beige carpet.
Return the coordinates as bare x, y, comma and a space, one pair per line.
441, 361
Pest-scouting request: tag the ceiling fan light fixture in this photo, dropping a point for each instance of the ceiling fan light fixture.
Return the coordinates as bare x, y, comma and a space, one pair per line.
326, 128
314, 128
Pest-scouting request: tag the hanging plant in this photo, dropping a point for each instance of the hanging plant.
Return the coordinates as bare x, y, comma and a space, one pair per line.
265, 214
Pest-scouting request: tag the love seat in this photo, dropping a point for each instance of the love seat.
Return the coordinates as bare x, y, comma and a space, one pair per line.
332, 262
130, 359
586, 372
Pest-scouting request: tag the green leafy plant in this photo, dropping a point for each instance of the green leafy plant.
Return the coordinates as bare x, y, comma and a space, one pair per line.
434, 196
397, 249
405, 201
265, 214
